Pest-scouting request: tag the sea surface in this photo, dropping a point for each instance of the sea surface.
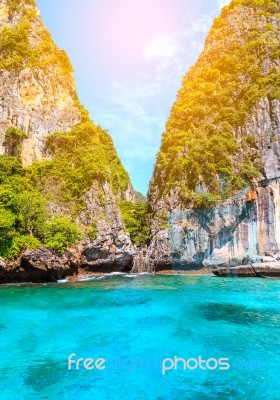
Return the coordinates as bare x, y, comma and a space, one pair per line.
134, 323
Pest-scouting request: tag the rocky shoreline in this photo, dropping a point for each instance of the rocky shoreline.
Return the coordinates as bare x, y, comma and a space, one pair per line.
43, 266
196, 221
252, 267
250, 271
38, 266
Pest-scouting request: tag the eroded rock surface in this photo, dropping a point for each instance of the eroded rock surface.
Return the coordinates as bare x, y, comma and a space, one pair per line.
39, 265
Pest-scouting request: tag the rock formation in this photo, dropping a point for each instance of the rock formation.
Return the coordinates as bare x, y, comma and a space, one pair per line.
223, 135
38, 93
215, 193
253, 267
76, 171
38, 266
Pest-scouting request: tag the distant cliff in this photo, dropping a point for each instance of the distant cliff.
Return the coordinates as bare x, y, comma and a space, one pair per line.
214, 196
62, 183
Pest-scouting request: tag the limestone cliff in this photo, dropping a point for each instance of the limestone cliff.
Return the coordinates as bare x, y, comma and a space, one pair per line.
37, 87
61, 180
216, 175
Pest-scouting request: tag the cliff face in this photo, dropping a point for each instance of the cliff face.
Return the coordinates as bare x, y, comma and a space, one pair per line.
61, 180
37, 87
223, 137
245, 225
111, 249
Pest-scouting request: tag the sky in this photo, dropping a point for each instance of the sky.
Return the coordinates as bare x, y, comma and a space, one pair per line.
129, 58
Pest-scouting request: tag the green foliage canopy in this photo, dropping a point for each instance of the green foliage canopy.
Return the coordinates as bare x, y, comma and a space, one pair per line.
135, 219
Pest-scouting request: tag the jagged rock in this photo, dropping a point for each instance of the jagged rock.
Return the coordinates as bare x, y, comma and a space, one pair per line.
144, 262
156, 257
38, 100
129, 194
108, 256
112, 249
39, 265
271, 269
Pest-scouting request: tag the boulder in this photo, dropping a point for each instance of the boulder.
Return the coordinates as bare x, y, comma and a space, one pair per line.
270, 269
40, 265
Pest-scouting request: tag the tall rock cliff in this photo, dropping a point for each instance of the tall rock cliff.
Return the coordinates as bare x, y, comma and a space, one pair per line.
214, 196
61, 180
37, 87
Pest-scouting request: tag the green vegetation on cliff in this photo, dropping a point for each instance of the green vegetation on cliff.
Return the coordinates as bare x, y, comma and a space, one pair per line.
59, 233
83, 155
13, 141
24, 219
203, 156
80, 157
135, 219
42, 204
21, 46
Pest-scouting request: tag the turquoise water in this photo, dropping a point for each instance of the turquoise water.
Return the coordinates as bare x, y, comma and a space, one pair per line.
134, 323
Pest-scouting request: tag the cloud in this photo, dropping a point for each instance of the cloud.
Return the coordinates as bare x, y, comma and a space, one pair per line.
140, 107
136, 108
161, 47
